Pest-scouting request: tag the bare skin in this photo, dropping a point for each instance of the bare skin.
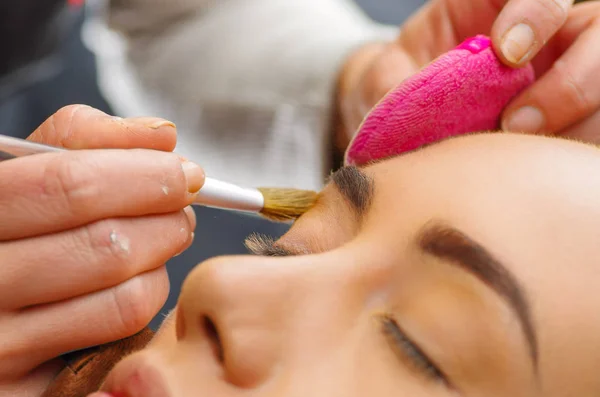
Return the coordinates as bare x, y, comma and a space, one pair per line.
83, 243
472, 270
565, 99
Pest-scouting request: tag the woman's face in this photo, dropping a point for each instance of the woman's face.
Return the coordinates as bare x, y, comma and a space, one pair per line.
467, 268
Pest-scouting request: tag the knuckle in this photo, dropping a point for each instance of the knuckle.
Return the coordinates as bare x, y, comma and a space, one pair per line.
69, 180
558, 10
66, 112
105, 242
61, 122
573, 89
58, 129
133, 306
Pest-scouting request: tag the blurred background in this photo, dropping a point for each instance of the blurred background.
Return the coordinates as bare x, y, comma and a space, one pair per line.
68, 75
58, 70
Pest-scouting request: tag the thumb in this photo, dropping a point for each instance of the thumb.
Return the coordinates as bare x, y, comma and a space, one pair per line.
524, 26
568, 93
83, 127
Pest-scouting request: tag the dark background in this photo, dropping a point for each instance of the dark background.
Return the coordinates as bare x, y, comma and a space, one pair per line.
68, 77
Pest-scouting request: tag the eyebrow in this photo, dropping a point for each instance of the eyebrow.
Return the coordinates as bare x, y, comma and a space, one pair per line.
450, 244
356, 187
438, 240
261, 245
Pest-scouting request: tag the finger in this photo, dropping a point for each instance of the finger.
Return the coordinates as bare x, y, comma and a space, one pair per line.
581, 17
440, 25
51, 192
91, 258
83, 127
191, 216
388, 68
524, 26
587, 130
95, 319
36, 381
567, 93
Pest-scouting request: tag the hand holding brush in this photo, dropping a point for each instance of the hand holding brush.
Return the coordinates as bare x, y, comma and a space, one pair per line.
85, 234
278, 204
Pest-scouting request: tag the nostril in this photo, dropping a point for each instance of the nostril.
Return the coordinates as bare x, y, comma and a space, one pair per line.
212, 334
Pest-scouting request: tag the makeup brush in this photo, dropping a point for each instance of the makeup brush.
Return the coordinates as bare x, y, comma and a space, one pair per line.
278, 204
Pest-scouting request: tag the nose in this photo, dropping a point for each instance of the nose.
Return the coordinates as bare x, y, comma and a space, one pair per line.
237, 306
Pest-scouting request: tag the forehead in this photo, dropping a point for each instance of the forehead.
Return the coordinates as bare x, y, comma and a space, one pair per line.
533, 202
501, 188
491, 168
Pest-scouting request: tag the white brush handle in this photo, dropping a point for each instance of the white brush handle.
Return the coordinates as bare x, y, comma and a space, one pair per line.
219, 194
14, 147
214, 193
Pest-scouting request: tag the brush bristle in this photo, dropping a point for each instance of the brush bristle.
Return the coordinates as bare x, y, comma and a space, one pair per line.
286, 204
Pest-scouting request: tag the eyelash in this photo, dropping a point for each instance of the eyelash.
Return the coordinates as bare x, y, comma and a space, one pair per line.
409, 351
402, 345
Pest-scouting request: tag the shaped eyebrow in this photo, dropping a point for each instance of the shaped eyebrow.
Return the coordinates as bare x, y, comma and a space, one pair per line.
355, 186
439, 240
458, 249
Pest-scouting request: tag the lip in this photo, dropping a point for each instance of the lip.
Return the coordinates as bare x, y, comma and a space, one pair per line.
136, 378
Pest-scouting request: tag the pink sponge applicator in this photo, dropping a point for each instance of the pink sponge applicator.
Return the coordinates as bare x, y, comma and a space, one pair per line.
462, 91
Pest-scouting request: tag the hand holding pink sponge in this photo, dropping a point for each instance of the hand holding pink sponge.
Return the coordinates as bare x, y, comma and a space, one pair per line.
462, 91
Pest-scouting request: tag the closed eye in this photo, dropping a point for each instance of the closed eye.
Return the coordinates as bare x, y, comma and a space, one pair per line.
408, 351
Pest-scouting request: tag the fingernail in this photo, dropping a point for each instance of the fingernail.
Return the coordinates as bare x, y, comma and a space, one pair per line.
187, 246
517, 43
525, 119
194, 176
161, 123
191, 216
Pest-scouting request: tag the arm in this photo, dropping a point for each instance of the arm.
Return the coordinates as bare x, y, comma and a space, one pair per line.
244, 50
250, 83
